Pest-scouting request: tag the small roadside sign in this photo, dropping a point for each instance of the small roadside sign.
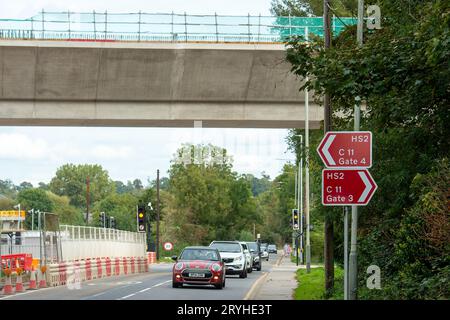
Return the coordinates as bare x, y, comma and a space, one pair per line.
168, 246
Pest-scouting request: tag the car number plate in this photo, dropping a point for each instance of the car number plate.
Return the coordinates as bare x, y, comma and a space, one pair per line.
196, 275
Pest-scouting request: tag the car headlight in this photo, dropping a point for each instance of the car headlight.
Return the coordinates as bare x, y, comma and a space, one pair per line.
179, 266
256, 258
216, 267
238, 258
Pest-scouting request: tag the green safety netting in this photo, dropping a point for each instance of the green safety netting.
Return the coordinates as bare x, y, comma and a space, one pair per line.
165, 27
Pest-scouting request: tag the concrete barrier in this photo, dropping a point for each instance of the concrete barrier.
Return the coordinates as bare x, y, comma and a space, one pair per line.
71, 272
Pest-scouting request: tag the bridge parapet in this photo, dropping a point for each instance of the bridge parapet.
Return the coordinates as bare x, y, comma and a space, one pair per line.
165, 27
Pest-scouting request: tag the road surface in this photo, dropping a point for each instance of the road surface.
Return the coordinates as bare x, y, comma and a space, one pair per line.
154, 285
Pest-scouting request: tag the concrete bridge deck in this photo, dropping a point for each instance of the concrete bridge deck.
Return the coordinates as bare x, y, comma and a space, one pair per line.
71, 83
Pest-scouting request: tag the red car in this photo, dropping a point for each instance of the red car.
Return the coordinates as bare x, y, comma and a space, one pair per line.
199, 266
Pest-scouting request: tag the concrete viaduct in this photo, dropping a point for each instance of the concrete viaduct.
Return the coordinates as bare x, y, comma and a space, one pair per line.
152, 84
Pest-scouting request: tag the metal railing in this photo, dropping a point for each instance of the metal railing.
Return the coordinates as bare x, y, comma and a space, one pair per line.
164, 27
69, 232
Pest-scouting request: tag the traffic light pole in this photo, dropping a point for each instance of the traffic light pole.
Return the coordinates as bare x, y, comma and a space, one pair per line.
157, 215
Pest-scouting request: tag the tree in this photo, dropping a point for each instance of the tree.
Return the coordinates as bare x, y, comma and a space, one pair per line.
70, 180
25, 185
258, 185
7, 188
307, 8
401, 74
43, 185
36, 199
67, 214
137, 184
211, 201
121, 206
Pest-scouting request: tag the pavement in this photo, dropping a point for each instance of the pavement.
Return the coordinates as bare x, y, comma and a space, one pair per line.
279, 283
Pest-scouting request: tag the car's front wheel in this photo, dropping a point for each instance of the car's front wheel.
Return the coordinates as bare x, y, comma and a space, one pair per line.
250, 270
220, 285
176, 285
243, 274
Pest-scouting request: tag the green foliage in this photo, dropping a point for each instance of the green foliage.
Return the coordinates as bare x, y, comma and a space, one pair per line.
311, 286
246, 236
121, 206
305, 8
258, 185
36, 199
7, 188
70, 180
6, 203
211, 201
67, 214
401, 76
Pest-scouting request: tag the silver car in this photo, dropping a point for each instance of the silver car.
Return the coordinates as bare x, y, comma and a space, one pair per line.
264, 253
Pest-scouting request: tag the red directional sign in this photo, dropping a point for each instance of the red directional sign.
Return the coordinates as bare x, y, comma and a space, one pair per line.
347, 187
350, 149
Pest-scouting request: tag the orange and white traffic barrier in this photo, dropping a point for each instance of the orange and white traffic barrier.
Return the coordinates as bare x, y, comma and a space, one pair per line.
19, 284
151, 257
125, 265
32, 284
133, 266
117, 266
108, 267
7, 288
43, 280
88, 269
99, 268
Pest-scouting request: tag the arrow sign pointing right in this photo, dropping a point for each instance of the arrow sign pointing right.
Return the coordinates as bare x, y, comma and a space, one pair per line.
347, 187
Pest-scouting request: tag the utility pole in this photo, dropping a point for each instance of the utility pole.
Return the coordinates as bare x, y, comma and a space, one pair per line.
87, 199
308, 244
157, 214
329, 232
300, 196
353, 263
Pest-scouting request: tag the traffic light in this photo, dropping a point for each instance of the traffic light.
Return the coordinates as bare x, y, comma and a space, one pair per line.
141, 218
112, 223
295, 219
102, 219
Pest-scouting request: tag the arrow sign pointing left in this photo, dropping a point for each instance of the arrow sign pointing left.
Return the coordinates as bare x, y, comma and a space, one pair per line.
349, 149
347, 187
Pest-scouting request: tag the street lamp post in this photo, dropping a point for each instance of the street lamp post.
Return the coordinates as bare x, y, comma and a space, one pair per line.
18, 219
32, 219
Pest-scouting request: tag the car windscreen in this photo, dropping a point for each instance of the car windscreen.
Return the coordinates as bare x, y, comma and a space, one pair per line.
272, 246
252, 246
227, 246
199, 254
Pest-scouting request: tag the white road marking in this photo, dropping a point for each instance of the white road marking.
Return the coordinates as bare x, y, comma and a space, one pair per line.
98, 294
160, 284
146, 289
130, 295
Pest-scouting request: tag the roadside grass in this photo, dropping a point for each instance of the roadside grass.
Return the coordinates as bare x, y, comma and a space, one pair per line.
165, 259
311, 286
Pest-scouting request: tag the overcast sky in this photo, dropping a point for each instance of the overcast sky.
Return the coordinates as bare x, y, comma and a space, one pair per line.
34, 153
